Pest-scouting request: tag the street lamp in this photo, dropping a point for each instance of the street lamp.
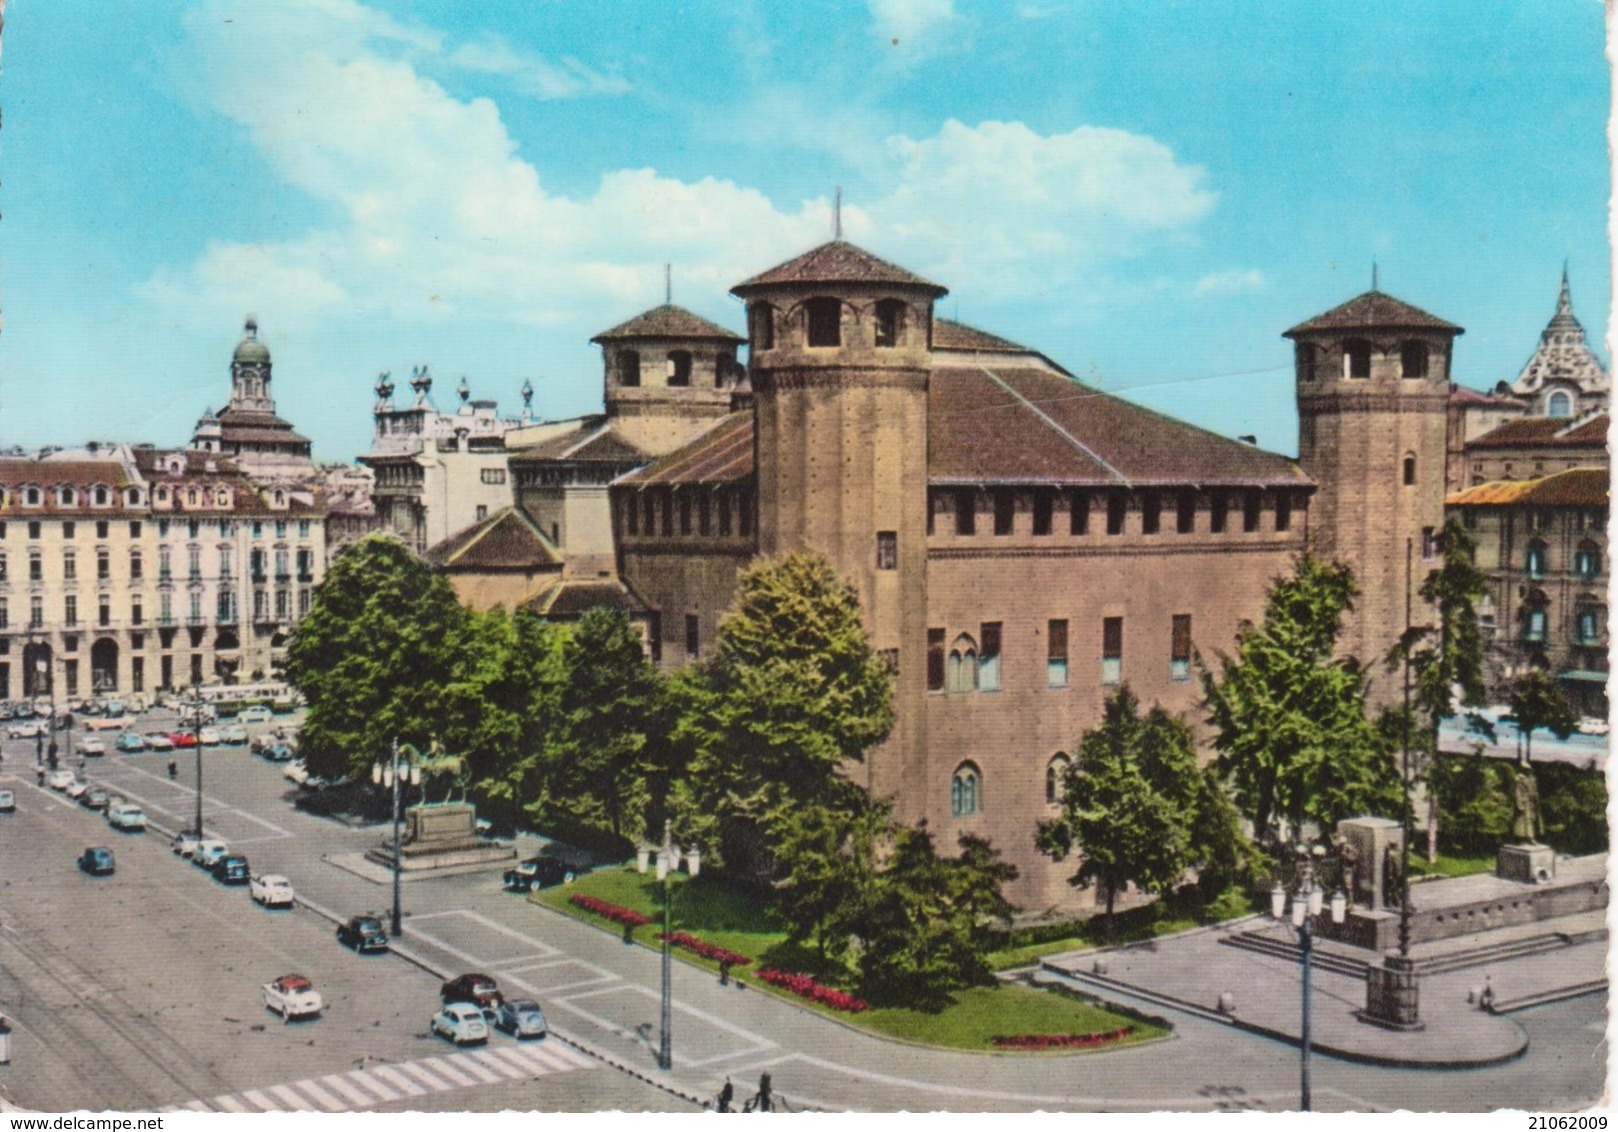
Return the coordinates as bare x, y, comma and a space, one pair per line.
665, 866
1307, 902
41, 670
193, 701
391, 774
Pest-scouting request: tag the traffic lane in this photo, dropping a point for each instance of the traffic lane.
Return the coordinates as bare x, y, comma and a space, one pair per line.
603, 1091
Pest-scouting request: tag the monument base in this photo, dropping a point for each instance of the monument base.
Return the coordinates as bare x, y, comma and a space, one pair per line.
1392, 995
441, 836
1530, 864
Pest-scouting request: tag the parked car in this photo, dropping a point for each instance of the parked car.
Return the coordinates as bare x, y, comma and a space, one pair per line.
292, 996
8, 802
257, 713
363, 933
97, 861
234, 734
521, 1018
91, 747
77, 789
114, 707
131, 741
271, 891
461, 1023
185, 843
480, 990
113, 723
183, 738
159, 741
95, 798
208, 852
26, 729
126, 816
208, 737
1594, 725
59, 779
232, 869
296, 772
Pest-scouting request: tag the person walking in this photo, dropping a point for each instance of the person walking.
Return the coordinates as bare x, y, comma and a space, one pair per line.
726, 1095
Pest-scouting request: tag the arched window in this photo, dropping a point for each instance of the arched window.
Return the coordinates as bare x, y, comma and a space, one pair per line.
1535, 563
825, 318
890, 315
1486, 617
1535, 617
1559, 404
966, 791
1587, 621
1056, 778
68, 497
679, 367
190, 497
1356, 358
723, 365
629, 368
32, 496
963, 665
102, 496
1587, 561
1307, 357
1409, 469
761, 319
1413, 359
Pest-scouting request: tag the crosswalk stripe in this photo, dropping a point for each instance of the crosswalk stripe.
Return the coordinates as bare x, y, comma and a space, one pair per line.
472, 1065
493, 1062
441, 1066
198, 1106
169, 1108
230, 1104
361, 1077
348, 1090
419, 1072
582, 1060
324, 1099
295, 1101
515, 1059
259, 1100
393, 1077
548, 1057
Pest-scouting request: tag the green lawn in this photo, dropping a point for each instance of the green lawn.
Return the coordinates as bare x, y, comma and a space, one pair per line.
706, 909
1448, 866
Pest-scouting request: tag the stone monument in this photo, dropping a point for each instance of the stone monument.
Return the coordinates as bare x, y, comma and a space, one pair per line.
441, 835
1526, 860
1371, 843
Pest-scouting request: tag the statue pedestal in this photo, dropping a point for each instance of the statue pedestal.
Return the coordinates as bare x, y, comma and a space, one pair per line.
1393, 995
1374, 841
1530, 864
441, 836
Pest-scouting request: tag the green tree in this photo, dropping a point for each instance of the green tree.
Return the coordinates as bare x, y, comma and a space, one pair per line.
383, 640
1537, 702
830, 858
519, 705
1573, 807
796, 696
1289, 716
1126, 802
1475, 795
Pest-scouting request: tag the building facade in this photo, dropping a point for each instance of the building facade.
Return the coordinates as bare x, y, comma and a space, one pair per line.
247, 430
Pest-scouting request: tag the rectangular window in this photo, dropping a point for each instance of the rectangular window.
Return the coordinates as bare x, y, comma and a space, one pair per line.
1043, 505
101, 528
137, 640
36, 567
166, 667
1056, 654
935, 660
648, 514
654, 631
305, 598
1429, 543
1112, 650
137, 612
280, 529
165, 608
36, 612
283, 605
744, 513
1151, 509
724, 501
103, 565
692, 635
137, 673
33, 529
887, 550
825, 322
1005, 512
1251, 505
631, 517
69, 529
1283, 510
665, 504
104, 613
1185, 513
685, 513
704, 514
1116, 505
491, 475
70, 609
482, 512
70, 672
1180, 648
932, 508
965, 513
2, 567
70, 565
196, 668
989, 658
134, 529
5, 614
135, 566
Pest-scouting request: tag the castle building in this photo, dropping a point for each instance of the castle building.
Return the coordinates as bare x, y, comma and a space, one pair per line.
247, 430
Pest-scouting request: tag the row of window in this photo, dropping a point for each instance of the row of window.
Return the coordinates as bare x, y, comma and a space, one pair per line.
972, 664
679, 368
966, 785
259, 561
1049, 503
1589, 617
66, 495
105, 680
823, 322
225, 608
1586, 560
704, 511
1413, 359
193, 528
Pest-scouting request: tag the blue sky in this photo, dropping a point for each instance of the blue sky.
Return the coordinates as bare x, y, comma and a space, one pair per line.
1150, 194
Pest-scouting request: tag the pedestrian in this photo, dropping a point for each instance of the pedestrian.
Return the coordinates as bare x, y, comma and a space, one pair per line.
725, 1096
174, 769
724, 972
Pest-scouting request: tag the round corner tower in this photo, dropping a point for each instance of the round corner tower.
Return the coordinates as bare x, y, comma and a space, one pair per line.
840, 356
1372, 380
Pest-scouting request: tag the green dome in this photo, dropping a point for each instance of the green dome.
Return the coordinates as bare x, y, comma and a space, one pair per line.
250, 350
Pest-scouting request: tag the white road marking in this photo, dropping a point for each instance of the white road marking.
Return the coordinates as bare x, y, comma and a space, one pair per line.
439, 1065
199, 1106
513, 1058
230, 1104
361, 1077
324, 1099
295, 1101
471, 1065
259, 1100
349, 1091
393, 1077
498, 1065
544, 1057
416, 1070
712, 1019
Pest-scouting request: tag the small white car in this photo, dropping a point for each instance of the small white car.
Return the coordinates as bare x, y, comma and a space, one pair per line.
8, 802
271, 891
75, 789
1594, 725
208, 852
234, 734
158, 741
90, 745
258, 713
296, 772
126, 816
59, 779
292, 996
26, 728
185, 843
460, 1022
208, 737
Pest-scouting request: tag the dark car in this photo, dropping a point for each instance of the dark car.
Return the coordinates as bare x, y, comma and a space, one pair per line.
546, 870
232, 869
97, 861
521, 1018
480, 990
95, 798
363, 933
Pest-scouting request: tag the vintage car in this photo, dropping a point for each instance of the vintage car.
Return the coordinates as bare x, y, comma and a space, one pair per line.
363, 933
271, 891
292, 996
97, 861
480, 990
521, 1018
460, 1022
126, 816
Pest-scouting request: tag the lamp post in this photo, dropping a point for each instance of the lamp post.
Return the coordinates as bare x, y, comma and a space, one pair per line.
392, 775
665, 865
41, 671
1307, 901
192, 702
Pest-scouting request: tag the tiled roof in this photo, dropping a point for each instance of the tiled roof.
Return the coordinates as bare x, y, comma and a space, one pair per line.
1462, 395
1546, 432
48, 475
1577, 487
668, 321
722, 454
506, 540
591, 441
1375, 311
837, 262
570, 598
236, 424
951, 335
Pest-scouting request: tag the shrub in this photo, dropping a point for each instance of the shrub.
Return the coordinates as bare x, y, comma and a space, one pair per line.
1062, 1041
625, 916
805, 987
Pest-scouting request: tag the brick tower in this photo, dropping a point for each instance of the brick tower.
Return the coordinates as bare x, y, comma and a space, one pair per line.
839, 345
1372, 378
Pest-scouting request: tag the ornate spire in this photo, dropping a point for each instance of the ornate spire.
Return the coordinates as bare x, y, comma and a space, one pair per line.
527, 392
464, 389
1564, 356
422, 382
384, 389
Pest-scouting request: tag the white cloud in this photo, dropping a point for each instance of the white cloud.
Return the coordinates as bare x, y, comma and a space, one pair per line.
916, 29
1231, 282
534, 74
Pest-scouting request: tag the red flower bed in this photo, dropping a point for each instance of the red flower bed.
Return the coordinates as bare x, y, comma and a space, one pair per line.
805, 987
707, 950
626, 916
1062, 1041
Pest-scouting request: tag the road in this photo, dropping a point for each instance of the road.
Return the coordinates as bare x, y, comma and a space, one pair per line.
140, 991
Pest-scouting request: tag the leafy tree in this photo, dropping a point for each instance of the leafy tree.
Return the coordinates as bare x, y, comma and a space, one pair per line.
1475, 795
1126, 802
382, 642
1573, 807
795, 695
830, 860
1537, 702
1289, 716
519, 703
